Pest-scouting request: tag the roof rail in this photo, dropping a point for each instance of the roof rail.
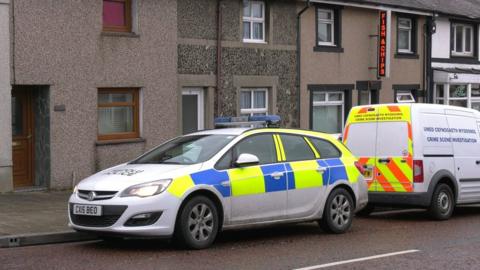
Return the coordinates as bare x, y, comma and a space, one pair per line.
248, 121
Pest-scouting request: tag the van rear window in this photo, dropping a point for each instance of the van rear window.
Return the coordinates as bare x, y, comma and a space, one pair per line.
362, 139
392, 139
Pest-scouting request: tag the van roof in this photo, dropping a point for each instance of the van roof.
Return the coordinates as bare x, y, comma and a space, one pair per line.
422, 106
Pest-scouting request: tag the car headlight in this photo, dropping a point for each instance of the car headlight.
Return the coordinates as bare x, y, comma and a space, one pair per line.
147, 189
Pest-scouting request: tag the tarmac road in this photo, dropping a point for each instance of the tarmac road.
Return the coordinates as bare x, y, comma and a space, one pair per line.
388, 240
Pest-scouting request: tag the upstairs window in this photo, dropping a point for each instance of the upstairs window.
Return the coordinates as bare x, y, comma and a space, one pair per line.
405, 35
254, 21
462, 39
117, 15
325, 27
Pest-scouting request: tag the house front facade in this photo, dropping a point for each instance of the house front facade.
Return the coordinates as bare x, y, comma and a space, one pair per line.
359, 54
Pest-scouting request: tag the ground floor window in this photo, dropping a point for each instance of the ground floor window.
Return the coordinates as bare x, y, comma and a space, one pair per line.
462, 95
118, 113
327, 111
253, 101
364, 97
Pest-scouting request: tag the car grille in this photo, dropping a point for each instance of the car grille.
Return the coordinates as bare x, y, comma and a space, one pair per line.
110, 215
99, 195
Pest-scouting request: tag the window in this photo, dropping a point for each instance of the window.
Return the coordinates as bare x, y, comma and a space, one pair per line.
254, 21
253, 102
325, 149
364, 97
462, 39
463, 95
261, 146
405, 35
117, 15
325, 27
404, 97
327, 111
186, 150
296, 148
118, 114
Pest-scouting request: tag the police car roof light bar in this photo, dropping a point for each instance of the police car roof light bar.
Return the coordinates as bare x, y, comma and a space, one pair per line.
248, 121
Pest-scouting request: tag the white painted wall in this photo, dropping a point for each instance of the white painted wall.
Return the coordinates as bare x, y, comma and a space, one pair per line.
441, 39
5, 100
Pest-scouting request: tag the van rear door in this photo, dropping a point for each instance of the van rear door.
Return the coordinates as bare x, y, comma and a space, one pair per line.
360, 136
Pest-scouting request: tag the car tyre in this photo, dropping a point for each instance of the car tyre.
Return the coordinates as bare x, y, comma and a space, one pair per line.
443, 203
338, 213
197, 224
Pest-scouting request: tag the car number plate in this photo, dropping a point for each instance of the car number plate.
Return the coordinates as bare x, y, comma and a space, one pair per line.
87, 210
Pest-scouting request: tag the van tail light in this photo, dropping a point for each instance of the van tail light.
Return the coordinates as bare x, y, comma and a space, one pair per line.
418, 171
360, 167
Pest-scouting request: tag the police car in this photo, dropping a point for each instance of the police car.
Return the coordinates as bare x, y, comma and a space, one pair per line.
196, 185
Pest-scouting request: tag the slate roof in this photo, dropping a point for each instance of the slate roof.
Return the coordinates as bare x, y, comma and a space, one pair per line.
462, 8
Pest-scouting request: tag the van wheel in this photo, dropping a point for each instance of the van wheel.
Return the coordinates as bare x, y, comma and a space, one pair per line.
366, 211
442, 205
197, 223
338, 213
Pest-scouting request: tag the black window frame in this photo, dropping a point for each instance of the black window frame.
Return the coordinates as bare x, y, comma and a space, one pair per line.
337, 30
303, 139
316, 148
413, 38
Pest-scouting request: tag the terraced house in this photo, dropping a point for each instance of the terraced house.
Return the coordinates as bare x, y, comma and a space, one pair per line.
360, 52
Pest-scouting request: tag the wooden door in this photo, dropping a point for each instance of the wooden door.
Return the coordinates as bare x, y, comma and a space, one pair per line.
22, 133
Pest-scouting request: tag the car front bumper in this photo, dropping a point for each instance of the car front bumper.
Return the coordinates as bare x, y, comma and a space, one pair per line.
118, 210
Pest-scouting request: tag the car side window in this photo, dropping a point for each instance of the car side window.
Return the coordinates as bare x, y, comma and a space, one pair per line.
296, 148
325, 149
225, 162
261, 146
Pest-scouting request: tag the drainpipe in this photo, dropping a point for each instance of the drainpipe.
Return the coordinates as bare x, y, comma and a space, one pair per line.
428, 61
299, 15
219, 56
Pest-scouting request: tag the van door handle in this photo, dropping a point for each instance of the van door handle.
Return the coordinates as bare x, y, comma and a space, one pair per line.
277, 175
477, 162
384, 160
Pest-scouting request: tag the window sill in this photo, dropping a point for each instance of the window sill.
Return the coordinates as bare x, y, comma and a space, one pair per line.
253, 41
407, 55
122, 141
120, 34
332, 49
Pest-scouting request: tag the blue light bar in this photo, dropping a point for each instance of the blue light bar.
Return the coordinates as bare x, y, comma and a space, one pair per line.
248, 121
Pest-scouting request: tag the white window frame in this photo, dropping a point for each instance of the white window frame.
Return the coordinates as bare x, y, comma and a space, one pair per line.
251, 111
328, 102
446, 99
328, 22
410, 31
464, 37
252, 20
407, 93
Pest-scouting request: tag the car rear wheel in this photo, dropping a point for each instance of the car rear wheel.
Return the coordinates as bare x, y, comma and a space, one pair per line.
197, 224
443, 203
338, 213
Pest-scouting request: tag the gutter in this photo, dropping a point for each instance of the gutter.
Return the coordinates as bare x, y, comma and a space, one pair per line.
299, 15
370, 5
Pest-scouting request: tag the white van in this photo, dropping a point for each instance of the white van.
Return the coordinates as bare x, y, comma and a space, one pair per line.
420, 155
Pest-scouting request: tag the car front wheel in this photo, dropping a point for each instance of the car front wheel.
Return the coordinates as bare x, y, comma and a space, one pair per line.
338, 213
197, 224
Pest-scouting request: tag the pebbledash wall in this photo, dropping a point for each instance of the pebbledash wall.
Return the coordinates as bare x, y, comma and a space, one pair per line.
60, 46
270, 64
350, 67
5, 103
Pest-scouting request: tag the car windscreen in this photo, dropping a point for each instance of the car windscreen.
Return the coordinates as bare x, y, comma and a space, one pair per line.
186, 150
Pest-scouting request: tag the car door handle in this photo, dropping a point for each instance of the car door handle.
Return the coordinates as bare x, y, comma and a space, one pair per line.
321, 169
277, 175
384, 160
225, 183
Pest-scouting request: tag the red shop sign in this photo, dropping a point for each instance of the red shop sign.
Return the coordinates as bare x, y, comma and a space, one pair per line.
382, 45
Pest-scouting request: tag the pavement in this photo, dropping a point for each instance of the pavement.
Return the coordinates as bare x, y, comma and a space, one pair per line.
28, 218
385, 240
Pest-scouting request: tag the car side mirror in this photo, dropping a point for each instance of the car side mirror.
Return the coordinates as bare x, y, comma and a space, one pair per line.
246, 160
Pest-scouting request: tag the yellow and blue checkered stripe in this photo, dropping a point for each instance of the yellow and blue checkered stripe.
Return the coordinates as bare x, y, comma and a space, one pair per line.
258, 179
